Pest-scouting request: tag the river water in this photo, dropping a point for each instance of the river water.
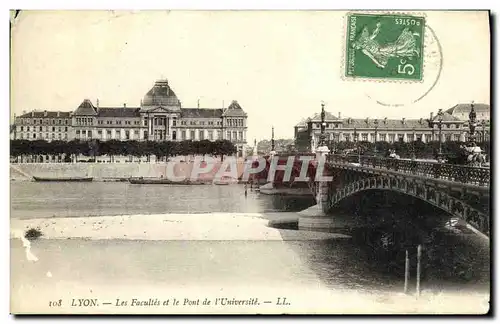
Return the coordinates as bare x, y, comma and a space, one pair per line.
458, 263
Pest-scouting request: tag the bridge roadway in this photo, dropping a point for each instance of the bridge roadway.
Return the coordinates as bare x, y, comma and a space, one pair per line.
461, 191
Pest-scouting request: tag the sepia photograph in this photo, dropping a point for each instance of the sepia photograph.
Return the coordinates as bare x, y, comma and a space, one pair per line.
245, 162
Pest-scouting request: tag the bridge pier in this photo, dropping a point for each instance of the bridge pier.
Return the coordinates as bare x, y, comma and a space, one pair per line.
316, 217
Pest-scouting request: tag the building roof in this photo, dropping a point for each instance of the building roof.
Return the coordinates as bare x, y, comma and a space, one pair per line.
46, 114
86, 108
465, 108
317, 117
201, 113
234, 109
301, 123
161, 95
118, 112
447, 117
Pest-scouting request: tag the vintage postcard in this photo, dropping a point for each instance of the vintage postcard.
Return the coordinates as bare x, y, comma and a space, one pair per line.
250, 162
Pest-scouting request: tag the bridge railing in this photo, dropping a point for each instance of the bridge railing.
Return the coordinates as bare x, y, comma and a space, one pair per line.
450, 172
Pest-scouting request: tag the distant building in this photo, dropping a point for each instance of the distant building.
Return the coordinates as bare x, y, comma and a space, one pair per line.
455, 127
160, 117
461, 111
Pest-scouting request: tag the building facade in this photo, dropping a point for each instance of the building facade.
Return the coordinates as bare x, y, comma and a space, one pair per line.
160, 117
454, 127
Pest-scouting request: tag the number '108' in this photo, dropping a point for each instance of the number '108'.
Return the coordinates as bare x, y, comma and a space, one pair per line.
407, 22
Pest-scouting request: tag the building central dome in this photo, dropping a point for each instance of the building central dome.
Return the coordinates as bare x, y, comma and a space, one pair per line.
161, 95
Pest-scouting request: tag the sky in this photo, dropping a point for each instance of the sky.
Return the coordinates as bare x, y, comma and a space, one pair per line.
279, 65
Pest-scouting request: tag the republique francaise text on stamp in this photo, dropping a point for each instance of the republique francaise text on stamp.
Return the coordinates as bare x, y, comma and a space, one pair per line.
384, 46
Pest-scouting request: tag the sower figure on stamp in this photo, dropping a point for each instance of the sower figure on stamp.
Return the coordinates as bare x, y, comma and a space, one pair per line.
404, 46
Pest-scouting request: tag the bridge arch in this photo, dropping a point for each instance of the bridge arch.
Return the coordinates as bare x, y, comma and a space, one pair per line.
428, 193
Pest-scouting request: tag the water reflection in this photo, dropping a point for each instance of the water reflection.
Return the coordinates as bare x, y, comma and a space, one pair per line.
34, 199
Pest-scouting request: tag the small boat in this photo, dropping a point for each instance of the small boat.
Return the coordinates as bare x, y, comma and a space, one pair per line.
162, 181
220, 183
63, 179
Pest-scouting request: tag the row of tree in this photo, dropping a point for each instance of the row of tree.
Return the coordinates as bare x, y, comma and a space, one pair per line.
111, 148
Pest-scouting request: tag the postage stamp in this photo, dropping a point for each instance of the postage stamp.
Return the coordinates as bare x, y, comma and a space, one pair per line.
384, 46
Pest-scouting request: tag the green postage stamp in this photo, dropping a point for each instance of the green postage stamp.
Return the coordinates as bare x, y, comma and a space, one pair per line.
384, 46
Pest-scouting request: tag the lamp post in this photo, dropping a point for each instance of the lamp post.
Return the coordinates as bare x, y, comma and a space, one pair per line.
440, 126
375, 140
323, 126
356, 143
472, 125
222, 131
273, 152
413, 155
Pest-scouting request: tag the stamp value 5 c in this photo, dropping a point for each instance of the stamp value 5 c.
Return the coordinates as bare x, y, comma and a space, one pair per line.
384, 46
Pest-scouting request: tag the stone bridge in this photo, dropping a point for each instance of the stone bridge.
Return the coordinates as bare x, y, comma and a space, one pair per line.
462, 192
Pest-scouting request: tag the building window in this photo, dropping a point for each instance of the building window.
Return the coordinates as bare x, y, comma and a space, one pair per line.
40, 128
118, 122
174, 135
400, 137
235, 136
174, 121
21, 128
46, 135
145, 121
364, 137
77, 132
99, 132
211, 135
53, 129
21, 136
136, 133
456, 137
192, 135
219, 135
145, 134
127, 135
228, 135
240, 136
201, 135
447, 137
34, 135
391, 138
183, 135
28, 128
53, 135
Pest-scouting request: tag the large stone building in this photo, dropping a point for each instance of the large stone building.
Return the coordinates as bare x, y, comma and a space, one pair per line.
160, 117
454, 127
